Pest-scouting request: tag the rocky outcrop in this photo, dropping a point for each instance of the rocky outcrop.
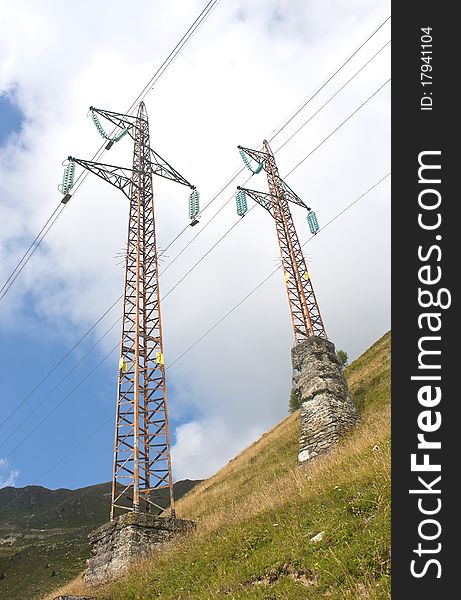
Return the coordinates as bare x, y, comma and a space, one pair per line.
127, 539
327, 410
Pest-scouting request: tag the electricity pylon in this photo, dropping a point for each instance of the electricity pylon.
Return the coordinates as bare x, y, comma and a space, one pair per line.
142, 460
305, 312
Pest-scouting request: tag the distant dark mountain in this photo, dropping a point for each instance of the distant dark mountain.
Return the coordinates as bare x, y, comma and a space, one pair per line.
43, 534
36, 507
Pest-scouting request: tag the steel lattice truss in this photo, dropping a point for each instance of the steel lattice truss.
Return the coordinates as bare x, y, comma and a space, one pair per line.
142, 461
305, 313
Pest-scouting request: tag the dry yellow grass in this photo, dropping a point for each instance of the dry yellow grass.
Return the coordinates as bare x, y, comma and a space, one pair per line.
74, 588
297, 484
314, 477
265, 480
302, 486
243, 488
265, 460
372, 370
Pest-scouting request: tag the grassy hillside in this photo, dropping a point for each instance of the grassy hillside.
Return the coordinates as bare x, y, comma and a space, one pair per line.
369, 377
43, 535
269, 529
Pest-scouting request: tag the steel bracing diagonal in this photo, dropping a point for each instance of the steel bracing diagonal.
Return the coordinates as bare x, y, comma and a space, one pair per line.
116, 176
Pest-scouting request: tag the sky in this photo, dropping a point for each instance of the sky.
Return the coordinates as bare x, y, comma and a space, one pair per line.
249, 67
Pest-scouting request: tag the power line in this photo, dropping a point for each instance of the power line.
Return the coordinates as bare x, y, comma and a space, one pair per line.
255, 289
205, 334
218, 241
13, 275
330, 77
333, 96
340, 125
233, 177
238, 221
169, 59
184, 40
82, 178
43, 400
60, 461
85, 335
226, 185
55, 408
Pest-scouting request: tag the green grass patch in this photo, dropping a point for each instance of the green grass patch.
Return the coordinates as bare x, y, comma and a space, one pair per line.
259, 516
30, 572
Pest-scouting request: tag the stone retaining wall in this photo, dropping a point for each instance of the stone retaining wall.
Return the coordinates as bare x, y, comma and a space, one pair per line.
127, 539
327, 410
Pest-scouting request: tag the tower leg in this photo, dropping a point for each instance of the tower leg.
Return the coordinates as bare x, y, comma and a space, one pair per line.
142, 477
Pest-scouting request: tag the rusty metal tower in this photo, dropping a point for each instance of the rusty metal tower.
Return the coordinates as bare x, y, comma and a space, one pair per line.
305, 313
142, 461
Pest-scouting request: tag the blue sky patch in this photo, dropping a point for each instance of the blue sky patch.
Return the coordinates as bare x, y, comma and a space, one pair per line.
10, 117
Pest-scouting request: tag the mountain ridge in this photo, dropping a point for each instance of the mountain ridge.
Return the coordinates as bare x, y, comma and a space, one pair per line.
38, 506
43, 533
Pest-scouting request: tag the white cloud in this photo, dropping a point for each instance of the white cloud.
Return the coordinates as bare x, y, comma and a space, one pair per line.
243, 72
202, 447
7, 478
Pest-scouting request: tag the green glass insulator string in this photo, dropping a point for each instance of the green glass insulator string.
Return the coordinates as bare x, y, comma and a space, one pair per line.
102, 131
67, 178
194, 204
241, 202
313, 223
247, 163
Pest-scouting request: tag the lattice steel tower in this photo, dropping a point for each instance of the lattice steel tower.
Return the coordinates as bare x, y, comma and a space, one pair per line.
142, 461
305, 313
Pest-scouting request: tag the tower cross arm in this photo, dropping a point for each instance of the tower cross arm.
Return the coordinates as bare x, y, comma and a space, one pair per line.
291, 195
163, 169
262, 198
259, 156
119, 177
127, 122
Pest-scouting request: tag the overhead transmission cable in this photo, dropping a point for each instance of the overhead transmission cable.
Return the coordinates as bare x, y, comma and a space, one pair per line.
77, 343
202, 257
185, 38
255, 289
66, 376
279, 148
211, 249
314, 114
238, 172
56, 464
205, 334
340, 125
82, 177
333, 74
55, 408
28, 249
